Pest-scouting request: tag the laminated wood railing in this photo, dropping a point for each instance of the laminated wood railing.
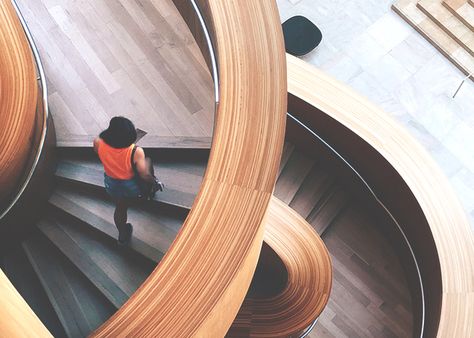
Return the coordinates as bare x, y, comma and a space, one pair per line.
18, 102
296, 278
199, 286
21, 133
434, 230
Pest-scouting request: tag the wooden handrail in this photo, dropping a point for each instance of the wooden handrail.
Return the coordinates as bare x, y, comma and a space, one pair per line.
309, 279
19, 94
198, 287
16, 317
18, 102
407, 181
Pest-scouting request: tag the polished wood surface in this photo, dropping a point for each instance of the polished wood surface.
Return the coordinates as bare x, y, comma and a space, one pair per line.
131, 58
200, 284
16, 317
409, 183
18, 97
308, 285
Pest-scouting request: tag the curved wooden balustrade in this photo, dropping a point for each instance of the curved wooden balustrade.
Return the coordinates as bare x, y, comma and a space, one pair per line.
18, 99
409, 183
308, 284
18, 96
198, 287
16, 317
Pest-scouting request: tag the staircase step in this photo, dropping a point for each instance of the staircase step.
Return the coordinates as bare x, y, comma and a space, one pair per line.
154, 230
152, 234
288, 149
148, 141
93, 175
16, 266
329, 207
463, 10
80, 307
292, 176
313, 188
448, 23
408, 10
115, 274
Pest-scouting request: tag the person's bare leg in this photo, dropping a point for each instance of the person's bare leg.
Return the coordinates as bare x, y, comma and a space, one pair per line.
120, 219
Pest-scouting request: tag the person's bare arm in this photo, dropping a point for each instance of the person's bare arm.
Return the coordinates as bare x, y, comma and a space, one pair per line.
141, 164
96, 144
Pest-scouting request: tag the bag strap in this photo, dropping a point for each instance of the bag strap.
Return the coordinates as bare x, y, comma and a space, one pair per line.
134, 167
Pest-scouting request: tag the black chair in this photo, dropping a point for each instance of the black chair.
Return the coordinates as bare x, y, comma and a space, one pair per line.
301, 35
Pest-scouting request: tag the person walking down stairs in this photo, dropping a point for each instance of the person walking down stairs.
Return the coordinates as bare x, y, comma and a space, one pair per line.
128, 174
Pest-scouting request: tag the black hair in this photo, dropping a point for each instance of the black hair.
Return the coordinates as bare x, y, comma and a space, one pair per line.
121, 133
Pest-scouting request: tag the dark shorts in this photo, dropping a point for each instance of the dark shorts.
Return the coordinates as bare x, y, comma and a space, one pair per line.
122, 188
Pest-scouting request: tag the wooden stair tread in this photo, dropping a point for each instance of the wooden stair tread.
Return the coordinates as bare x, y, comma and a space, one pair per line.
312, 190
463, 10
148, 141
288, 149
408, 10
16, 266
153, 232
110, 269
79, 306
82, 174
455, 28
328, 209
292, 176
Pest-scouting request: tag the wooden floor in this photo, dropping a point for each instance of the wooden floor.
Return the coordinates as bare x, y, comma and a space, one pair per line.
131, 58
370, 296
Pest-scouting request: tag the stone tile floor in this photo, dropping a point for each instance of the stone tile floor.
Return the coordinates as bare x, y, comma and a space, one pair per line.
370, 48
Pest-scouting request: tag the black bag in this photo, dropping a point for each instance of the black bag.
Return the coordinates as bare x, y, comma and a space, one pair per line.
148, 189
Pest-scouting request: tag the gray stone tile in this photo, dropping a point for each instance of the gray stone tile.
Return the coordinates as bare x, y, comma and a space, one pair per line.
460, 141
413, 53
389, 72
364, 50
389, 31
342, 68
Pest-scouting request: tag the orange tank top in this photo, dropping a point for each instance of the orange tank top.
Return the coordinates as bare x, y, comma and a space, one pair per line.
116, 161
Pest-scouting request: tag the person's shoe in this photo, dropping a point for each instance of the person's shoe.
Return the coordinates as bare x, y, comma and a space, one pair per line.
126, 234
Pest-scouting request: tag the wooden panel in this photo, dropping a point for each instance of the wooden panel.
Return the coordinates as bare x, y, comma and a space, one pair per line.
18, 93
408, 182
198, 288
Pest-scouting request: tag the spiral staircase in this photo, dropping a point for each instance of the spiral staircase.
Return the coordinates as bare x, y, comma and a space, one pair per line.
233, 245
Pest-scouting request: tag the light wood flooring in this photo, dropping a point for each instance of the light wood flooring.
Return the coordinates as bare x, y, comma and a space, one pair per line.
131, 58
369, 296
447, 25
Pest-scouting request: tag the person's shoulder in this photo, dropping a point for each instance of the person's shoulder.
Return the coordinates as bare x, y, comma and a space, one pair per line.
139, 153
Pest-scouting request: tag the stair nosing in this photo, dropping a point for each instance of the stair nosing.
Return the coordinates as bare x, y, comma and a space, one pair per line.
137, 246
103, 290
